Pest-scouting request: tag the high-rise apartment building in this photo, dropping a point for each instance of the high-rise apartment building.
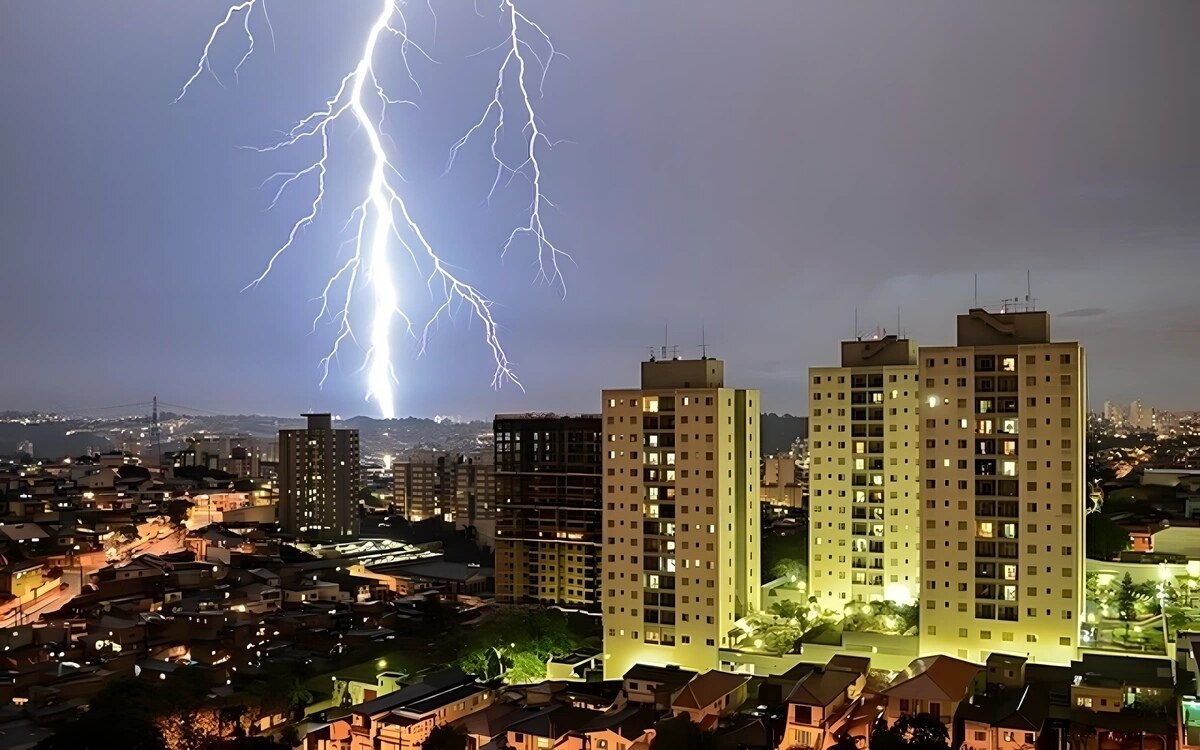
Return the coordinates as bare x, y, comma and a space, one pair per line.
319, 481
1141, 417
1002, 433
457, 488
475, 495
864, 483
1114, 413
681, 515
548, 510
781, 486
423, 485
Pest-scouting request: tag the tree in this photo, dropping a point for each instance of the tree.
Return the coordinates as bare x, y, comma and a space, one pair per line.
1105, 539
923, 732
445, 737
1126, 602
793, 570
788, 609
884, 737
518, 634
178, 509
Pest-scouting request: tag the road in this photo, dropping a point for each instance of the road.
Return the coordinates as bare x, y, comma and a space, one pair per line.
153, 539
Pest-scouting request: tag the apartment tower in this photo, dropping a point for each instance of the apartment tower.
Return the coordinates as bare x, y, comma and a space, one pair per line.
1002, 431
548, 514
864, 484
319, 481
681, 515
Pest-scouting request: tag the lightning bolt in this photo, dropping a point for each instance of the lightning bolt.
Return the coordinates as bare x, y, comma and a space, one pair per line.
382, 220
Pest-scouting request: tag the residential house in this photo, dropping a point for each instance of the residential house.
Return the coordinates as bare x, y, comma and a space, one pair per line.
708, 697
820, 705
655, 685
936, 685
402, 720
1110, 683
1006, 719
557, 726
620, 730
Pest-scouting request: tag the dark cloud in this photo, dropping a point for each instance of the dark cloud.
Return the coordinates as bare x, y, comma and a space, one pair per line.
761, 171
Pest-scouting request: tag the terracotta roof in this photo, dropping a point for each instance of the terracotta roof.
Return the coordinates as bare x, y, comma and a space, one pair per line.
934, 678
708, 688
822, 687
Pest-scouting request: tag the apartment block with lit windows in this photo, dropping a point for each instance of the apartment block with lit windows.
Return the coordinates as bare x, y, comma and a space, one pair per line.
864, 483
423, 485
319, 480
548, 519
681, 515
1002, 431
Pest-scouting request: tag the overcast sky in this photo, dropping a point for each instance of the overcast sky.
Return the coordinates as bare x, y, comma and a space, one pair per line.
761, 168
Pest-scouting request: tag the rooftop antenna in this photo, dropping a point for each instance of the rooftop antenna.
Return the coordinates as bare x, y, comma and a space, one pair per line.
666, 339
703, 343
857, 337
976, 291
899, 331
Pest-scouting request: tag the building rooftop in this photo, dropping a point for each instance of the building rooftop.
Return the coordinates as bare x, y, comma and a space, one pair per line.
822, 687
943, 677
708, 688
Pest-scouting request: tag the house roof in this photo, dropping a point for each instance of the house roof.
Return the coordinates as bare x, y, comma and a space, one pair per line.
847, 663
23, 532
1104, 670
708, 688
942, 678
436, 684
630, 722
1025, 709
555, 721
493, 720
669, 676
822, 687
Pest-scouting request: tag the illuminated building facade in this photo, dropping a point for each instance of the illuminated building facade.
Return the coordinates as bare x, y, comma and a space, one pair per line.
681, 515
1002, 431
864, 483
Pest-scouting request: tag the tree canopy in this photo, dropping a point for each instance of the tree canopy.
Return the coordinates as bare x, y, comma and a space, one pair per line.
518, 641
1105, 539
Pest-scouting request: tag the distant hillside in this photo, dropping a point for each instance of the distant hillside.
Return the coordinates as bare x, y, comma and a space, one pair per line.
779, 431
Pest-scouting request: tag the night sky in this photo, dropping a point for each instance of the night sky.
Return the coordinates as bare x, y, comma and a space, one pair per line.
761, 168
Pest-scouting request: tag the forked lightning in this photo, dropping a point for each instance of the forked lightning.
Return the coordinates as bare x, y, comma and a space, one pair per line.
382, 220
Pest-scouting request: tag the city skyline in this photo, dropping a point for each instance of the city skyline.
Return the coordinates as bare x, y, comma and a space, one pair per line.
856, 199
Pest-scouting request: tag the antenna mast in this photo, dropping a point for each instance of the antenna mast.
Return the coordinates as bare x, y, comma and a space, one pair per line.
156, 431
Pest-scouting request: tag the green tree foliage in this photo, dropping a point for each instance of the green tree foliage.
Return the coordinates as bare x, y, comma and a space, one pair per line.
445, 737
1126, 602
880, 617
788, 609
795, 571
1105, 539
516, 637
